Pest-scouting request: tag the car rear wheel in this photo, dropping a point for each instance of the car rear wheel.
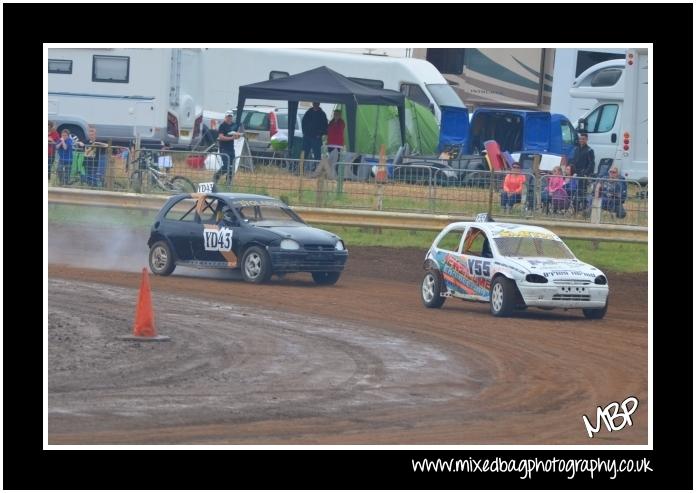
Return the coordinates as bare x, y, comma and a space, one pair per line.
502, 296
596, 313
161, 259
325, 278
431, 288
256, 265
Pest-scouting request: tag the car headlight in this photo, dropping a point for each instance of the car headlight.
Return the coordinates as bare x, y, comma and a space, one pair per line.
536, 278
340, 245
600, 280
289, 245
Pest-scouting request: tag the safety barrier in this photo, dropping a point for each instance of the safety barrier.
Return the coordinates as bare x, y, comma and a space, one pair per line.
362, 218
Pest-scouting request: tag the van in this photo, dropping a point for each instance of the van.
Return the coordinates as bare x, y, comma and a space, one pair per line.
514, 130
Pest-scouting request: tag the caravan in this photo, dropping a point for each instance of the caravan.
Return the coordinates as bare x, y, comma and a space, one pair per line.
228, 68
152, 94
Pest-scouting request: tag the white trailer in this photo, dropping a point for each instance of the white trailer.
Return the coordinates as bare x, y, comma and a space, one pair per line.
126, 93
226, 69
617, 126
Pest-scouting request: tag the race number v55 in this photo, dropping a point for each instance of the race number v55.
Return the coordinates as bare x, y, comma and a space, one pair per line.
217, 240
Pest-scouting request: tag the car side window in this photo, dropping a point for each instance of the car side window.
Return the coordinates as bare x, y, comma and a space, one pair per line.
184, 210
477, 244
212, 211
451, 240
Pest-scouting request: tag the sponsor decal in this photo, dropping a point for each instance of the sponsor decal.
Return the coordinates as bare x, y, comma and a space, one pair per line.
247, 203
527, 234
468, 277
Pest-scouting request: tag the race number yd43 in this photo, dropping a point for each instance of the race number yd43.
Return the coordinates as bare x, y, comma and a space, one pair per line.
218, 240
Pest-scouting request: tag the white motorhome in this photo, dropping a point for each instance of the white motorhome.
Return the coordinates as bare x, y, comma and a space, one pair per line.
617, 126
226, 69
125, 93
600, 81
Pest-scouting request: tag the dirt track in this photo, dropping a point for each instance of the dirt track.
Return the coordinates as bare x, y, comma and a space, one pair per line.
362, 362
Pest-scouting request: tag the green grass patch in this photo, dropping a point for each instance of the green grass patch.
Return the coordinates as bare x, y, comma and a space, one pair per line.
616, 257
101, 216
611, 256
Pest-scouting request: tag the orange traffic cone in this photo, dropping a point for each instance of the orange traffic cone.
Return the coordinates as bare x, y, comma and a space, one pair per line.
144, 327
144, 316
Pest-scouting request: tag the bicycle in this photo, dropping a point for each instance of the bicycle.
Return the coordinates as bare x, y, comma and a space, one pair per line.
156, 179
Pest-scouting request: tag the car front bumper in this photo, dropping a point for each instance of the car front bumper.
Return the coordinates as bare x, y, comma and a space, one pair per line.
563, 296
307, 261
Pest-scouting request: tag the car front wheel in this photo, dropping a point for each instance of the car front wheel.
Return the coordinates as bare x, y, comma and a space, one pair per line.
256, 265
431, 288
325, 278
161, 259
596, 313
502, 296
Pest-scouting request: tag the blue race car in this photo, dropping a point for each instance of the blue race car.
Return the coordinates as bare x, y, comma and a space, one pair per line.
260, 235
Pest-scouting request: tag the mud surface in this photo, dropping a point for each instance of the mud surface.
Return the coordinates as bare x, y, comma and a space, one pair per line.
289, 362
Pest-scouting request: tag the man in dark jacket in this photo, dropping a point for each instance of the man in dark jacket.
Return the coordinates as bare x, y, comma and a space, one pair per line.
314, 125
583, 162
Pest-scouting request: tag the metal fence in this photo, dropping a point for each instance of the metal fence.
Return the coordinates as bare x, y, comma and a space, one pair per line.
360, 185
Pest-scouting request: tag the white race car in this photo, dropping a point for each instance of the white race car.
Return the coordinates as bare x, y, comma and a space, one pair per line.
511, 266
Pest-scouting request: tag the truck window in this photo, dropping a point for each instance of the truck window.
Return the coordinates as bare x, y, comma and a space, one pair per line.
110, 68
607, 77
415, 93
60, 66
373, 83
567, 134
602, 118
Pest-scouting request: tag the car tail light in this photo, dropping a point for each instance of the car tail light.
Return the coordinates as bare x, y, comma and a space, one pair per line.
627, 141
197, 126
172, 126
273, 119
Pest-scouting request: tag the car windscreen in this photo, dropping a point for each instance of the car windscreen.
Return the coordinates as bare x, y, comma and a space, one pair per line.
515, 246
444, 95
265, 214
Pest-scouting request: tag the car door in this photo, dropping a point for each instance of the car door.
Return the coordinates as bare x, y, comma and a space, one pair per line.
477, 255
216, 239
448, 258
179, 225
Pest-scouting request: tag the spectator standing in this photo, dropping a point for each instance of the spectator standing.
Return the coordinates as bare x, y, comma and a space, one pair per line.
583, 162
512, 188
335, 133
53, 138
314, 125
95, 155
64, 148
228, 132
